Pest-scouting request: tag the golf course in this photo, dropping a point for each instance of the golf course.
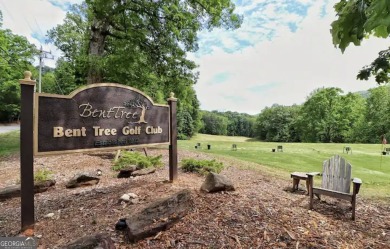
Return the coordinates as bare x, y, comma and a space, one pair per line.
367, 161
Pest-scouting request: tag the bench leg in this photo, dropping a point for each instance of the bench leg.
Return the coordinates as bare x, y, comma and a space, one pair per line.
311, 200
295, 184
311, 194
353, 206
307, 186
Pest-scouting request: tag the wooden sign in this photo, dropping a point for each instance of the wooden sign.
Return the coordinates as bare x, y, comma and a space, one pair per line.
98, 117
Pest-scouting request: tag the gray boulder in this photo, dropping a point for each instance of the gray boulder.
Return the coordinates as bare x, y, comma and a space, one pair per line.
101, 241
144, 171
10, 192
126, 172
81, 180
14, 190
43, 186
215, 182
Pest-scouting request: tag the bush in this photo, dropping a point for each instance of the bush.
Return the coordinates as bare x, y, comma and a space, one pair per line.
182, 137
42, 175
201, 166
136, 158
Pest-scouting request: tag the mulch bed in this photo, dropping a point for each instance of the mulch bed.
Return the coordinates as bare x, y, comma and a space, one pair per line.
261, 213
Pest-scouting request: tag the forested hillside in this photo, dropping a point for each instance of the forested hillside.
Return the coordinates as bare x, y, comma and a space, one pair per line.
327, 115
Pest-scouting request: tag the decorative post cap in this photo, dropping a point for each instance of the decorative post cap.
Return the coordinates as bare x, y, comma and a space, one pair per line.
27, 75
172, 97
27, 79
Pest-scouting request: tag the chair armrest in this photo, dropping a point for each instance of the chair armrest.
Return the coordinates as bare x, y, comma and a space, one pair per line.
313, 173
356, 185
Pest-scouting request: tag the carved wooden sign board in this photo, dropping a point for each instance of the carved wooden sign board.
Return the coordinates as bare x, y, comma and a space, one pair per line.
98, 117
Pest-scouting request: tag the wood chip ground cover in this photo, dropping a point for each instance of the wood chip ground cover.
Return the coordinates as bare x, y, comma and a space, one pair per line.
261, 213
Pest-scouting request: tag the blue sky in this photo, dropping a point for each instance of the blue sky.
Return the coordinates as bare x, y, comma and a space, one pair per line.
282, 52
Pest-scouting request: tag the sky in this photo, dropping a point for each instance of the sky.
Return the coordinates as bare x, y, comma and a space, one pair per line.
282, 52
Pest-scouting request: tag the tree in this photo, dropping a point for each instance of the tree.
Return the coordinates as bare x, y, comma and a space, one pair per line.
328, 116
376, 114
16, 56
361, 19
239, 124
277, 124
153, 35
213, 123
185, 125
142, 44
163, 30
9, 101
353, 107
320, 116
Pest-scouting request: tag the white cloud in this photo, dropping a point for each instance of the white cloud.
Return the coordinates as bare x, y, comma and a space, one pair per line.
286, 69
32, 19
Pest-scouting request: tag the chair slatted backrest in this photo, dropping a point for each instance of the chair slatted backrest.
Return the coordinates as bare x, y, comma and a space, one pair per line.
336, 174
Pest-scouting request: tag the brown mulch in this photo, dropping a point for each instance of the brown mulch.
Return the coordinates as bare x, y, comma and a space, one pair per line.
261, 213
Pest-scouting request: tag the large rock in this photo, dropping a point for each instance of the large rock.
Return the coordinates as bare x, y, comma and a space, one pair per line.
14, 190
126, 172
43, 186
144, 171
159, 215
215, 182
81, 180
101, 241
10, 192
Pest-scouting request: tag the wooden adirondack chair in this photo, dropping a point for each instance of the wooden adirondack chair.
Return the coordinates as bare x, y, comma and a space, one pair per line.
336, 182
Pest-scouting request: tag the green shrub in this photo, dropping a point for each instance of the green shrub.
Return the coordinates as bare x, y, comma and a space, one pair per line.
136, 158
182, 137
201, 166
42, 175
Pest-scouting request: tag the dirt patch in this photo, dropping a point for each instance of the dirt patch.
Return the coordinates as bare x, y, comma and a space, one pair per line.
261, 213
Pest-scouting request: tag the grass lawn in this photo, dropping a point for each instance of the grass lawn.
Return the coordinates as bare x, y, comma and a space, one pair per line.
9, 143
367, 162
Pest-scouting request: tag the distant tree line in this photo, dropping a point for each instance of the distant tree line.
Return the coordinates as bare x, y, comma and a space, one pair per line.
227, 123
326, 116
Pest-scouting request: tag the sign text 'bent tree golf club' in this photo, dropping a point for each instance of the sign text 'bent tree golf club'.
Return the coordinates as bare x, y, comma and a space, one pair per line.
98, 117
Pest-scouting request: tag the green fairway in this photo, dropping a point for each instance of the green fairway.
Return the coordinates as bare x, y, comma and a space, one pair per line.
367, 162
9, 143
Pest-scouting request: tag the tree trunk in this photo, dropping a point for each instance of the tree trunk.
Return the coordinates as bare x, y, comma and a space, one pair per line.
99, 32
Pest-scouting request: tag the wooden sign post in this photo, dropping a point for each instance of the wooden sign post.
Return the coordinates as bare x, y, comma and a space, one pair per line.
26, 151
172, 101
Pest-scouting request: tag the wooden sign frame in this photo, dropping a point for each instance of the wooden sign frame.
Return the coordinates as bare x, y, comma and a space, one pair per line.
79, 127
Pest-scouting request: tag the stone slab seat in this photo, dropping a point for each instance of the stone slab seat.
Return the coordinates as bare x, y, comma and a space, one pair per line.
336, 182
